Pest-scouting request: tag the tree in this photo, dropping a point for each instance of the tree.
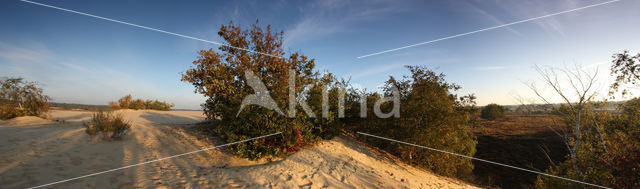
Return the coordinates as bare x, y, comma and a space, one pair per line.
626, 70
589, 135
257, 54
21, 98
492, 111
431, 115
575, 111
620, 166
125, 102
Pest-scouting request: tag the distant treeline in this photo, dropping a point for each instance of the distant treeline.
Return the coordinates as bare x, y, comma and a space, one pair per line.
547, 108
71, 106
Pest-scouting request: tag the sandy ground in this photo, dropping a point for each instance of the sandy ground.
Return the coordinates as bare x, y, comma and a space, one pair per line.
34, 151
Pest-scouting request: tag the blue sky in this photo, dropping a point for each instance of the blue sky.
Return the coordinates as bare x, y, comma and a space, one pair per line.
80, 59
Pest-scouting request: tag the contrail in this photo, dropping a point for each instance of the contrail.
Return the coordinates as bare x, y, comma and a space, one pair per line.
486, 29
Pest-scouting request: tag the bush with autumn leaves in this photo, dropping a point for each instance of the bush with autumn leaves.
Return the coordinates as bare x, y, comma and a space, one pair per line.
220, 76
431, 114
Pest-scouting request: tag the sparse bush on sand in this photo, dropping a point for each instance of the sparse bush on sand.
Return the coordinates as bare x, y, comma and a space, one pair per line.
107, 123
21, 98
492, 112
127, 102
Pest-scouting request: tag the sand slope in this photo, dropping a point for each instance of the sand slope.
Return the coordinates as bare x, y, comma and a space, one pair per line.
34, 151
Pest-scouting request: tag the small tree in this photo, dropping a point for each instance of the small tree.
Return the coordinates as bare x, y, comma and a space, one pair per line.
577, 113
492, 111
257, 54
21, 98
430, 115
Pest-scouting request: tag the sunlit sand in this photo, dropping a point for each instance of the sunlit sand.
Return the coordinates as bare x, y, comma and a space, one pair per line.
36, 151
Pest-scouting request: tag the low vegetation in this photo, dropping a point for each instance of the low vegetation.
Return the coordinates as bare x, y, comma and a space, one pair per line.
492, 112
21, 98
607, 152
72, 106
582, 140
603, 146
431, 115
109, 124
127, 102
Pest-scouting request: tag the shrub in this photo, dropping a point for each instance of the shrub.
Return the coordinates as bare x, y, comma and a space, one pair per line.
107, 123
21, 98
609, 158
127, 102
220, 76
8, 111
492, 111
431, 116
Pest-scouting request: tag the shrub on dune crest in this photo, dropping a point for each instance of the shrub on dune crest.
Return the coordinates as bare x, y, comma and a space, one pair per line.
220, 76
431, 115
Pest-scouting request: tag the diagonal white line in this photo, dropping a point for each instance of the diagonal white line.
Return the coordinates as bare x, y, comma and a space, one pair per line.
486, 29
146, 162
149, 28
487, 161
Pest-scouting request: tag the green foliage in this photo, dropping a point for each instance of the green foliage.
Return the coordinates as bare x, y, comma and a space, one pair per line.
220, 76
626, 69
127, 102
609, 159
70, 106
431, 115
492, 112
107, 123
21, 98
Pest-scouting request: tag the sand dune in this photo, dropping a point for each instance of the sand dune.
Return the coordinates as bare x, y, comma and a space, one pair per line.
35, 151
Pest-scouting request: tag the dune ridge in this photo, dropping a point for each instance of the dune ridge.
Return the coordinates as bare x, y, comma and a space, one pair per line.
49, 151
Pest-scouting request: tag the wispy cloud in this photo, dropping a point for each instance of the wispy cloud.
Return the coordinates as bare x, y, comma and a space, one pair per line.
16, 54
596, 64
481, 12
376, 70
29, 56
323, 18
75, 66
386, 68
490, 68
533, 8
65, 78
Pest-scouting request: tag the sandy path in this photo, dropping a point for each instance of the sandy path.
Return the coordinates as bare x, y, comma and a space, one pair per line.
35, 152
